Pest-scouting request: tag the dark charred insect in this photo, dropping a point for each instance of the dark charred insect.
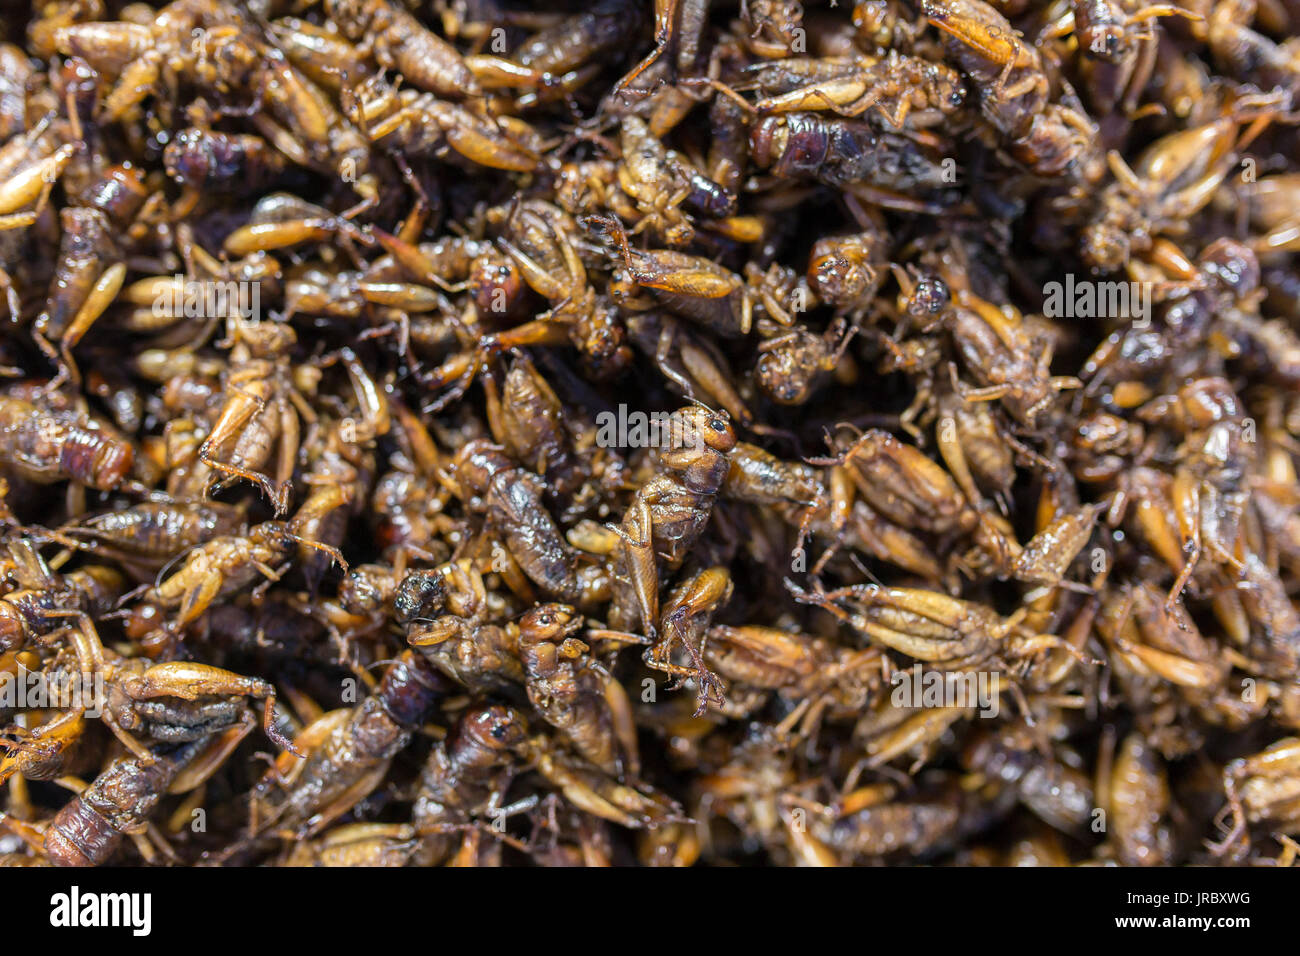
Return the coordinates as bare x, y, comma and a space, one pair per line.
464, 780
203, 159
346, 754
119, 802
846, 153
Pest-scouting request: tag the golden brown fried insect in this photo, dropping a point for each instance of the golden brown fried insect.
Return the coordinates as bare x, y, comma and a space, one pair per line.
930, 626
418, 123
1139, 802
225, 565
356, 844
149, 534
49, 444
669, 512
897, 86
1012, 86
398, 41
138, 696
450, 620
1261, 789
574, 693
260, 418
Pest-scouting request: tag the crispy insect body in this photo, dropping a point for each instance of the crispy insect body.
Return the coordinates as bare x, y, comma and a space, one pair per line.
227, 564
596, 793
1013, 87
920, 825
261, 412
153, 531
577, 39
761, 478
419, 124
1170, 181
1262, 788
139, 694
685, 622
398, 41
694, 288
47, 604
280, 221
223, 161
532, 428
926, 625
1242, 51
121, 799
658, 180
1047, 556
1059, 794
357, 844
86, 249
46, 446
463, 774
447, 616
670, 511
792, 365
1161, 642
1139, 794
1275, 624
905, 485
324, 55
514, 501
895, 85
815, 674
26, 181
350, 761
843, 152
573, 694
44, 752
1011, 364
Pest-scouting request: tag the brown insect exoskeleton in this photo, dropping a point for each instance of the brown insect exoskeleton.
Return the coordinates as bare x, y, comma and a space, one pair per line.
1012, 85
347, 753
574, 692
669, 512
1261, 789
119, 802
228, 564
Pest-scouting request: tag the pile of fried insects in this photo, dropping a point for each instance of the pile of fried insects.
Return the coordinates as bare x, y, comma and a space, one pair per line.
673, 433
